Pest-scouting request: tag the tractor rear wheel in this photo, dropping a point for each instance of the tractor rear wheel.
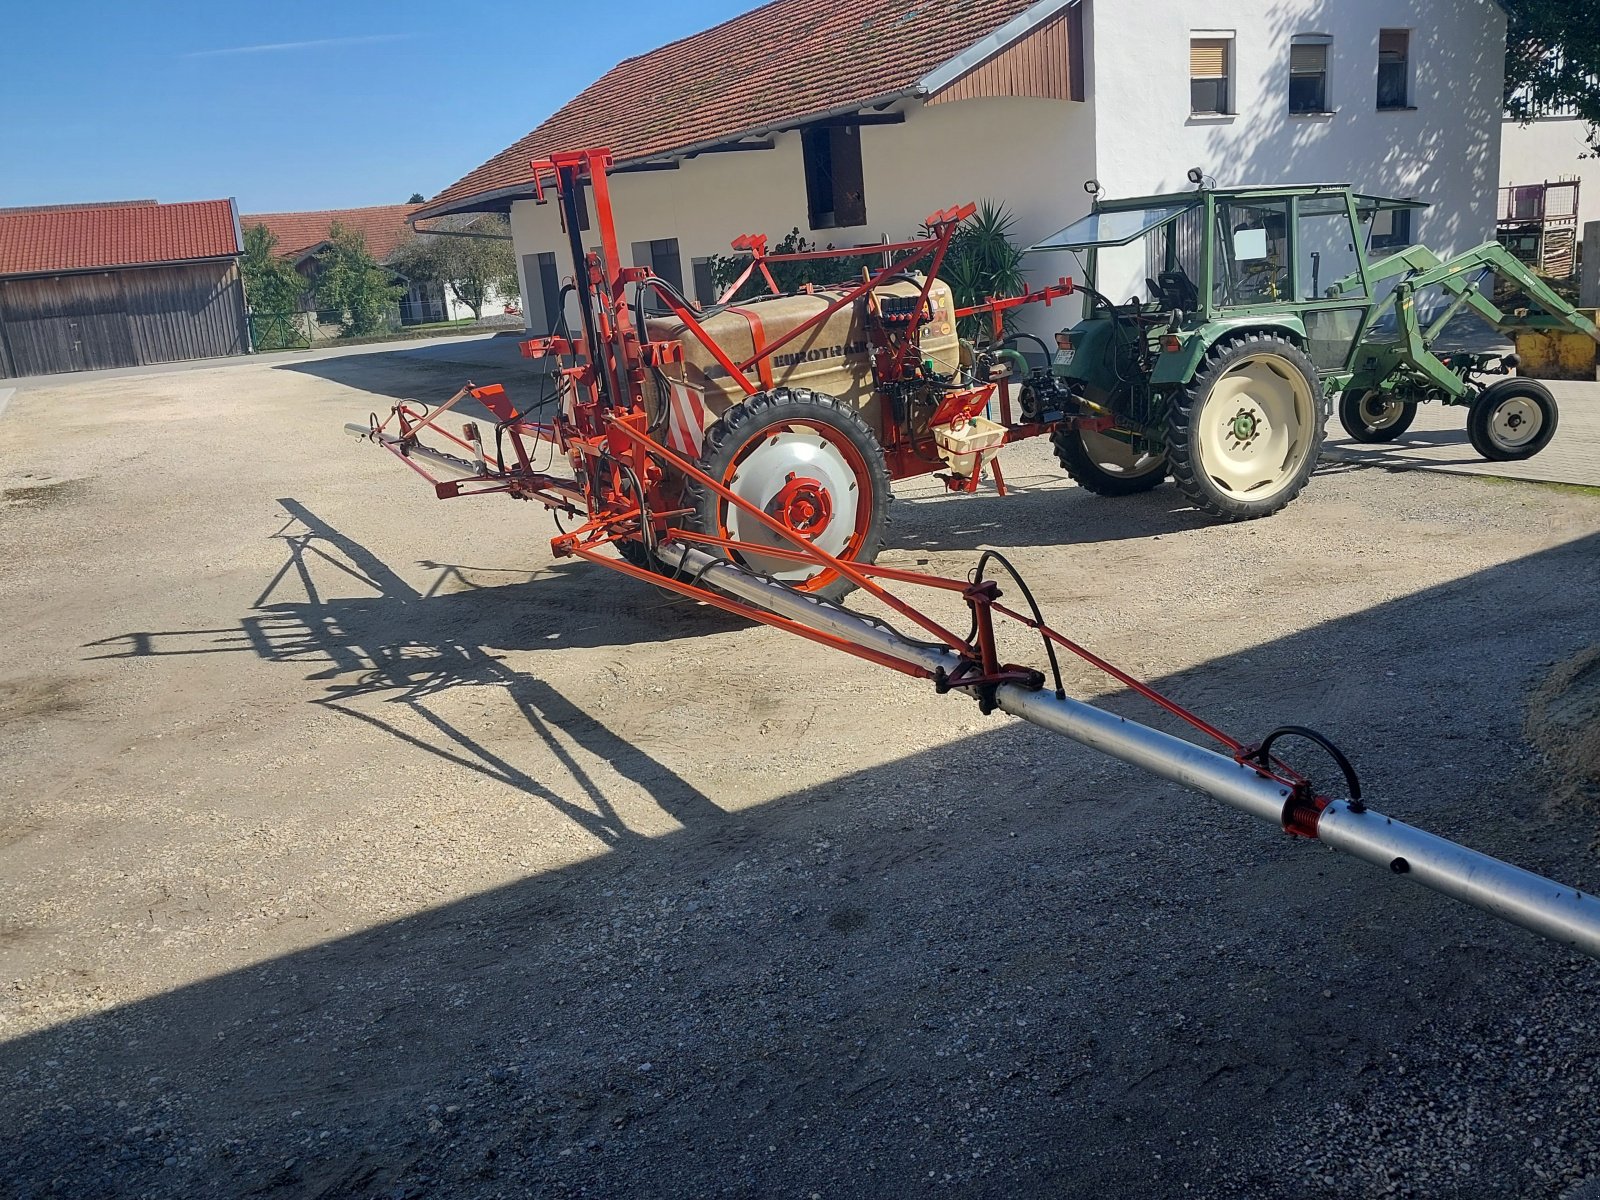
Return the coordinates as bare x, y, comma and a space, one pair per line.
1245, 435
1512, 419
1107, 465
1372, 416
809, 462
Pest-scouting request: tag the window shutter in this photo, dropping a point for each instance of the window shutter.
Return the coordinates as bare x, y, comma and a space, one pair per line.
1393, 44
1308, 57
1208, 58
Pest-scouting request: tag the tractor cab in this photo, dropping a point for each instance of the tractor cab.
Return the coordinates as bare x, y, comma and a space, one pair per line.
1189, 267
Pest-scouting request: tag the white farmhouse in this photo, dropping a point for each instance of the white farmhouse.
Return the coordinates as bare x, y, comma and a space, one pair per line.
852, 120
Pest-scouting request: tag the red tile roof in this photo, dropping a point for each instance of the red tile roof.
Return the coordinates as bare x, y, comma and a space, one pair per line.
37, 241
383, 226
777, 65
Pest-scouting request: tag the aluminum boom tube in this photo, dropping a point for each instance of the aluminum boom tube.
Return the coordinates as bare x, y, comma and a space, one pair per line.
1520, 897
435, 458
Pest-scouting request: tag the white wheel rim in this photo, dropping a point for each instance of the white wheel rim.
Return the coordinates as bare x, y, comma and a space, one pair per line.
1255, 429
764, 472
1117, 457
1516, 422
1378, 412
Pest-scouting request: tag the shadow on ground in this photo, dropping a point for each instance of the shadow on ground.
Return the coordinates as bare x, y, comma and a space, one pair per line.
431, 372
406, 648
1005, 965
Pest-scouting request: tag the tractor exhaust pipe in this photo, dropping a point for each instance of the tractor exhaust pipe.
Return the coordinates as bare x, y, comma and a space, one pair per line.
1558, 912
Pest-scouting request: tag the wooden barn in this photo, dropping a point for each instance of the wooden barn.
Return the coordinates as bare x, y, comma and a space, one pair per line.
84, 287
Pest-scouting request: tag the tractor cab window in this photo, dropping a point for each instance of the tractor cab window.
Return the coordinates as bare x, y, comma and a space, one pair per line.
1173, 255
1325, 250
1252, 252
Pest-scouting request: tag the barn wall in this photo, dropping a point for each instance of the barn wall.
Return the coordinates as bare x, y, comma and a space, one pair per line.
194, 311
1028, 154
95, 320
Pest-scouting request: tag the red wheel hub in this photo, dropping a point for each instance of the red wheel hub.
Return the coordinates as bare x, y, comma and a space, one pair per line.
803, 505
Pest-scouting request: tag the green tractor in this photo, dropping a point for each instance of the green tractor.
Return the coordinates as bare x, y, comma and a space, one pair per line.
1254, 307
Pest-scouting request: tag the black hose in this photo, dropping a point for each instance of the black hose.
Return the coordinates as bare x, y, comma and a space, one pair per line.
1033, 605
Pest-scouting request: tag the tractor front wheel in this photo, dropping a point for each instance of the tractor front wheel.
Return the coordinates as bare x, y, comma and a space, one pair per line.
808, 462
1372, 416
1512, 419
1245, 435
1105, 464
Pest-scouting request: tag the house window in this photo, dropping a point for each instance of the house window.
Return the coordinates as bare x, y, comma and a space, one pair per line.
1308, 75
1209, 93
1391, 229
704, 290
547, 279
835, 184
1394, 68
663, 259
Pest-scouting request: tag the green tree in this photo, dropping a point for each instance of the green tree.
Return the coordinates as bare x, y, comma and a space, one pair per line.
416, 198
1553, 59
351, 283
273, 289
472, 256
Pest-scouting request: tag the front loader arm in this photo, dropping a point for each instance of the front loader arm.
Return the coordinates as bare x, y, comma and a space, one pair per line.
1461, 277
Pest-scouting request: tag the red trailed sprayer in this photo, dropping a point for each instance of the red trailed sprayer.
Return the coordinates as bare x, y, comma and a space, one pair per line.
701, 453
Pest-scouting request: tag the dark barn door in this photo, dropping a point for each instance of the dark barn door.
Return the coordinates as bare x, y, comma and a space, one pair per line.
68, 323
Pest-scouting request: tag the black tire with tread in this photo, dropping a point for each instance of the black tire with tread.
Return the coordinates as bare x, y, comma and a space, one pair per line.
744, 421
1358, 429
1182, 455
1481, 415
1090, 476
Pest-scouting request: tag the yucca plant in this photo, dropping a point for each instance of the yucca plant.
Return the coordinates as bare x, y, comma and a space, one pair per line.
983, 263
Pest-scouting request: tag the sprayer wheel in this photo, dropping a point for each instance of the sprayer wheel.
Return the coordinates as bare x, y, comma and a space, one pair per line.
806, 460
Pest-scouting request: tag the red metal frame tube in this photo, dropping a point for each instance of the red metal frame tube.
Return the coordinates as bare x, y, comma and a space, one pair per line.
820, 556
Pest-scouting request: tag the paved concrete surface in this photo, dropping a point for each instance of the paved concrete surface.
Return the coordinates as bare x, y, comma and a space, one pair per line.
480, 350
1438, 442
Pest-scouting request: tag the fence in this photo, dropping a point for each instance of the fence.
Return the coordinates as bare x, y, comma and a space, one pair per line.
303, 330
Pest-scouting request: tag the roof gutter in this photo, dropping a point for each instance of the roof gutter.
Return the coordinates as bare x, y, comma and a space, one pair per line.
461, 233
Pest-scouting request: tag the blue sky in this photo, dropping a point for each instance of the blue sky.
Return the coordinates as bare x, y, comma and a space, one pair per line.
294, 105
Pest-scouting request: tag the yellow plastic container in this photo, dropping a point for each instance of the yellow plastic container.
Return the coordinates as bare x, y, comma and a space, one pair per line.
969, 446
1557, 354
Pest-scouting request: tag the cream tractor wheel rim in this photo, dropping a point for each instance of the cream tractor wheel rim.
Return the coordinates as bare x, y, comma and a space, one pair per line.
1256, 427
1117, 457
1379, 412
1516, 422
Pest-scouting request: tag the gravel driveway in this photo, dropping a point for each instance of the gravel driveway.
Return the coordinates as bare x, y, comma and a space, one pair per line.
352, 847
